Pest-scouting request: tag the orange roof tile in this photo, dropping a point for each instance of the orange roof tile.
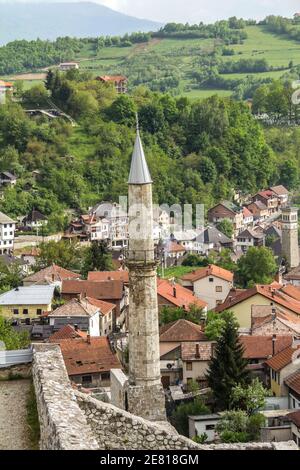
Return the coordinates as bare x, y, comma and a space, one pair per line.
184, 297
211, 270
181, 330
105, 307
293, 382
283, 358
261, 347
173, 247
97, 290
66, 332
108, 276
292, 291
194, 351
51, 274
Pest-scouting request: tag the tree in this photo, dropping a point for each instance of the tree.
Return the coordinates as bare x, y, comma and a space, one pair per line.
237, 426
216, 322
170, 314
257, 266
63, 253
226, 226
10, 276
98, 258
249, 398
123, 111
228, 367
11, 338
179, 417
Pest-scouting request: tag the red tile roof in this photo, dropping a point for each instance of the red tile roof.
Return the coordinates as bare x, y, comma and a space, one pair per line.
108, 276
51, 274
294, 417
112, 78
105, 307
194, 351
66, 332
283, 358
94, 356
280, 190
97, 290
75, 308
181, 330
173, 247
184, 297
292, 291
211, 270
247, 213
266, 291
261, 347
293, 382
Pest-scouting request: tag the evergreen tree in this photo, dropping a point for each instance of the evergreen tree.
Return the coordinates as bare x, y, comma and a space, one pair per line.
98, 258
228, 367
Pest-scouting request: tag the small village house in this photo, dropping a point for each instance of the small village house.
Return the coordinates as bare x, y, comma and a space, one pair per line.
53, 274
204, 424
108, 316
120, 82
282, 194
65, 66
211, 284
227, 210
269, 199
7, 234
259, 210
281, 367
171, 294
26, 303
7, 179
248, 238
35, 219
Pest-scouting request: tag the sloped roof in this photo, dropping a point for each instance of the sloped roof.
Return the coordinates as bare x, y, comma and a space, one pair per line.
280, 190
66, 332
51, 274
108, 276
184, 297
31, 295
173, 247
293, 274
293, 382
213, 235
181, 330
105, 307
248, 233
97, 290
4, 219
139, 171
75, 308
229, 205
261, 347
194, 351
94, 356
210, 270
246, 212
292, 291
34, 216
283, 358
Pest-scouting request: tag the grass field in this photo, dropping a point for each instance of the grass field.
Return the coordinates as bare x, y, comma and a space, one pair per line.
183, 54
176, 272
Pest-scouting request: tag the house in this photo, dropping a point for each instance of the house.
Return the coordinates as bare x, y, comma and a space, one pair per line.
29, 256
100, 276
212, 284
6, 87
247, 217
117, 218
110, 291
66, 332
7, 234
53, 274
25, 303
35, 219
269, 199
294, 418
204, 424
282, 194
248, 238
271, 320
118, 81
171, 294
108, 315
292, 382
281, 366
259, 210
293, 276
79, 313
227, 210
196, 357
240, 302
212, 239
174, 338
65, 66
7, 179
258, 349
88, 360
173, 252
186, 239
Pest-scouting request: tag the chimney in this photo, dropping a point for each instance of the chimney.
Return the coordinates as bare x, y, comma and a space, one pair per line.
88, 338
174, 292
197, 355
273, 345
76, 327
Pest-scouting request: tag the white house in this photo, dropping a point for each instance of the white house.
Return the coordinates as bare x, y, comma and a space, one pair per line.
117, 218
204, 424
7, 233
65, 66
211, 284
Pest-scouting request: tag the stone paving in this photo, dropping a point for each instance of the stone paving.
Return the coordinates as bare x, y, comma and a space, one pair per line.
13, 426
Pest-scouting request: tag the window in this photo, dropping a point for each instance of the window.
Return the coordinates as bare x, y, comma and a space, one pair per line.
25, 311
209, 427
39, 311
86, 379
219, 289
189, 366
16, 311
211, 279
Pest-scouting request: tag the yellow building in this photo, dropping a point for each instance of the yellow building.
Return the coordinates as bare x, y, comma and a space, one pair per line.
26, 302
281, 366
241, 302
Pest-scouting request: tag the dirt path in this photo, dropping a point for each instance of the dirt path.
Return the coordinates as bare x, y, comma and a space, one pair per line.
13, 426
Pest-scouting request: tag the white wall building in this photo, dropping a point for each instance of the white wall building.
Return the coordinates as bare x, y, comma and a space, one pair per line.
7, 234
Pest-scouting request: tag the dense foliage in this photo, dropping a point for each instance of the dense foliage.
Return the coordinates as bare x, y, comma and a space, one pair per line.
10, 338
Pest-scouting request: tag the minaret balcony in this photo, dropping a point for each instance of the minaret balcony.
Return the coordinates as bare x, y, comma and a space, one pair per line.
142, 257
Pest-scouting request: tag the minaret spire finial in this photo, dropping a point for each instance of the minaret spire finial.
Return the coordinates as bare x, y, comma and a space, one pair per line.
139, 171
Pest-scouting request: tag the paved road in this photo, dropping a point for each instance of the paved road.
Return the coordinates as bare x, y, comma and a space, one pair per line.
13, 426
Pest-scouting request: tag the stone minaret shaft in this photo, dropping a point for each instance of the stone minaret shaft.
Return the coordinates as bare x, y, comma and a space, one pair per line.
145, 395
290, 245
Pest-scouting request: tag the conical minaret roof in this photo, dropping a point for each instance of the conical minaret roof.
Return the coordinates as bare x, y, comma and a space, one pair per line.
139, 171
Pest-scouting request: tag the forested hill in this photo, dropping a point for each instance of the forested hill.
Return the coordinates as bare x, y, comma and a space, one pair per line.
198, 152
52, 20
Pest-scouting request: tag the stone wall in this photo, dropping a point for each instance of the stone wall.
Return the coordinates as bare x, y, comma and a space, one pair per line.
19, 371
63, 426
71, 420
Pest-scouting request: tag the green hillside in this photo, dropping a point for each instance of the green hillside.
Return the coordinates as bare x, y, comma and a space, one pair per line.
177, 65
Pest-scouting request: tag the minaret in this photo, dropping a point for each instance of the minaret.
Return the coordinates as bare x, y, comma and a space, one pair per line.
145, 394
290, 246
